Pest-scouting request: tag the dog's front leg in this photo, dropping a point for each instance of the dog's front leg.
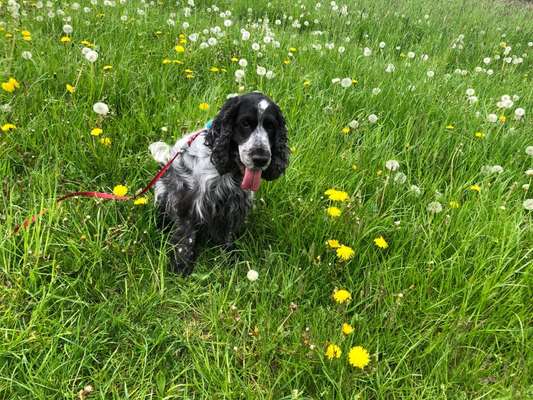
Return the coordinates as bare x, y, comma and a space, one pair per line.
183, 251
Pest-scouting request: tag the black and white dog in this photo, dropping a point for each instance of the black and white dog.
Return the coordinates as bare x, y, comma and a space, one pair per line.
207, 192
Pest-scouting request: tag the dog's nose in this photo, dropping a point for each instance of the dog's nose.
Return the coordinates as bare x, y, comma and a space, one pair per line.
260, 158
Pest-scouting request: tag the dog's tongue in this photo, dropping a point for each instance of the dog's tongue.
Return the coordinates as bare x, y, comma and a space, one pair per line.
251, 180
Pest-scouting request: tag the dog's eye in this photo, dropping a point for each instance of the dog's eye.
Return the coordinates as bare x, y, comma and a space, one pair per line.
269, 125
246, 123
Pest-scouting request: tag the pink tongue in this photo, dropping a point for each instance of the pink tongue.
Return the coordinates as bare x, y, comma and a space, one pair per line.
251, 180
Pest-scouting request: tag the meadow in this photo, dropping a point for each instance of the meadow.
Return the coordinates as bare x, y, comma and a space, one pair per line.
393, 260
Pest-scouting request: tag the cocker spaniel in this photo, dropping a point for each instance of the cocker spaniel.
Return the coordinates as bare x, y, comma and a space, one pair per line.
207, 192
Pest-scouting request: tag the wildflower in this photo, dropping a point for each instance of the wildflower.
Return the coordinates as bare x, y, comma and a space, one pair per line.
346, 82
96, 131
70, 88
100, 108
307, 83
358, 357
336, 195
450, 126
333, 351
502, 119
345, 130
26, 55
252, 275
453, 204
166, 61
345, 253
430, 74
334, 212
347, 328
7, 127
107, 68
400, 178
120, 190
519, 113
334, 244
434, 207
341, 296
10, 85
392, 165
179, 49
105, 141
381, 242
376, 91
353, 124
141, 201
367, 52
65, 39
91, 56
479, 135
203, 106
492, 118
475, 188
529, 151
26, 35
372, 118
390, 68
528, 204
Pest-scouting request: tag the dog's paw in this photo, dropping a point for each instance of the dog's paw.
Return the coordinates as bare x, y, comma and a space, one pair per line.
182, 260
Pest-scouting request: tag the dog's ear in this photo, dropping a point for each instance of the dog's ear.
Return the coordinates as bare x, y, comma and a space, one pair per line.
219, 135
280, 149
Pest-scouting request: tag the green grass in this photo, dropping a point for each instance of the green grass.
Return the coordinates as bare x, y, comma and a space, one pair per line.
445, 312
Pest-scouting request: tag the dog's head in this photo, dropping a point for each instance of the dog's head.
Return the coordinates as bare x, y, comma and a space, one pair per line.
248, 137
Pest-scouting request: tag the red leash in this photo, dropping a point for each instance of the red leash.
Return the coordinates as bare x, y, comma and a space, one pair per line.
110, 196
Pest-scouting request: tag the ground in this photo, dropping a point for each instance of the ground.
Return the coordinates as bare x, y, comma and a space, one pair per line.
417, 114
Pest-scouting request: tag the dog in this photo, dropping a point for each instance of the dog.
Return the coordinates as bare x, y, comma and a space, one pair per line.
207, 193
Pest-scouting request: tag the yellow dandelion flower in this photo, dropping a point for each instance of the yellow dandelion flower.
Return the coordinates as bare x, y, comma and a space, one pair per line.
454, 204
293, 49
381, 242
345, 253
286, 62
336, 195
450, 126
475, 188
307, 82
65, 39
341, 296
141, 201
354, 167
10, 85
7, 127
345, 130
179, 49
107, 68
189, 76
26, 35
214, 69
183, 41
86, 43
334, 212
333, 351
479, 135
106, 141
334, 244
354, 81
347, 328
166, 61
234, 59
96, 131
203, 106
177, 62
358, 357
70, 88
120, 190
502, 119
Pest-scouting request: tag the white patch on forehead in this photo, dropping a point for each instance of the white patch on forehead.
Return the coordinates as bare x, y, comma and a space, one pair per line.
262, 106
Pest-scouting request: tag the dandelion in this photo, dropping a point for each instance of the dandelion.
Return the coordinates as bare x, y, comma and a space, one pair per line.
252, 275
65, 39
140, 201
91, 56
71, 89
345, 130
346, 82
336, 195
367, 52
203, 106
415, 189
7, 127
333, 351
341, 296
475, 188
502, 119
434, 207
528, 204
120, 190
492, 118
107, 68
392, 165
345, 253
454, 204
179, 48
10, 85
519, 113
333, 244
100, 108
529, 151
400, 178
105, 141
376, 91
381, 242
358, 357
390, 68
430, 74
450, 126
479, 135
372, 118
96, 131
26, 55
347, 328
334, 212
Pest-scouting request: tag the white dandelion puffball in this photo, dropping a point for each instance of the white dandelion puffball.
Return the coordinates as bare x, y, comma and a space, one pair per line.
239, 74
487, 60
100, 108
529, 151
382, 45
434, 207
354, 124
519, 113
430, 74
470, 92
346, 82
416, 190
390, 68
529, 172
26, 55
400, 178
261, 71
392, 165
492, 118
372, 118
528, 204
367, 52
67, 29
243, 62
85, 50
91, 56
252, 275
376, 91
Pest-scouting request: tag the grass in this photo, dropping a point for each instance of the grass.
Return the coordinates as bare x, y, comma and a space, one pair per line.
445, 311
